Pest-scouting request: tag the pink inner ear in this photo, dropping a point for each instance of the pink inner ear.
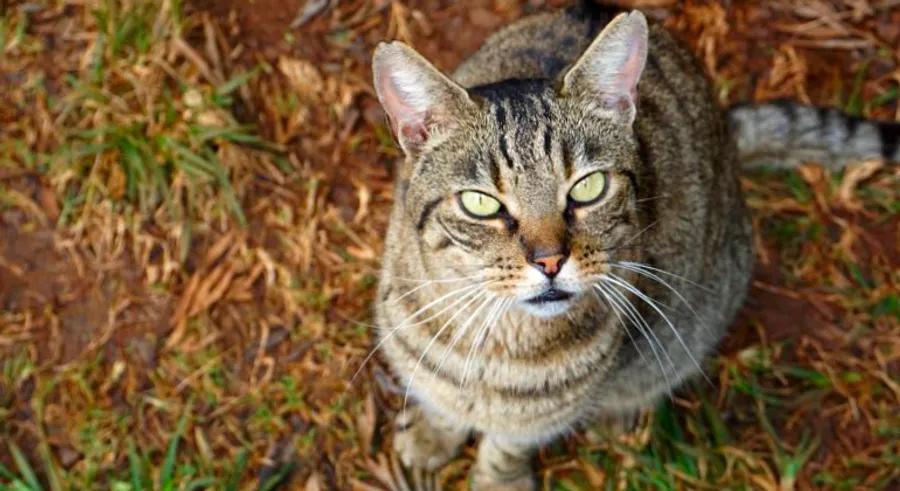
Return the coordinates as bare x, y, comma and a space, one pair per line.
619, 102
413, 133
407, 123
631, 71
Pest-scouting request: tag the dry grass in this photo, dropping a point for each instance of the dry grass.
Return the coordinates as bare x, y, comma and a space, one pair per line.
192, 199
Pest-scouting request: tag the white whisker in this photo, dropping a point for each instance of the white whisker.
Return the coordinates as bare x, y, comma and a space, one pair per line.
604, 297
659, 280
425, 283
633, 237
430, 280
467, 289
480, 334
653, 304
434, 338
493, 324
636, 268
461, 332
642, 327
667, 273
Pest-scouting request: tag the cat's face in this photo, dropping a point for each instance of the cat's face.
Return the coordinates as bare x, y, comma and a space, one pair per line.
531, 193
525, 187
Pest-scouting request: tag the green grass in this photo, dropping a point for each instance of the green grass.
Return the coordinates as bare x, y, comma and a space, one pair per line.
174, 141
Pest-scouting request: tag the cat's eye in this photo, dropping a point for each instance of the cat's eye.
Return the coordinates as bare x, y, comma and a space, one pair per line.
479, 204
588, 189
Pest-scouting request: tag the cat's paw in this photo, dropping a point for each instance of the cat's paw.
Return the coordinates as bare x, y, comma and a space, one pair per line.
483, 482
424, 443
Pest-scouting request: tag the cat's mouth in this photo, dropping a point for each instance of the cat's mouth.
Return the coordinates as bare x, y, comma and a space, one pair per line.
550, 295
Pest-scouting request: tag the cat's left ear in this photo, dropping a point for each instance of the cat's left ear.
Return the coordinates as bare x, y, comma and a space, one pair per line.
608, 72
416, 96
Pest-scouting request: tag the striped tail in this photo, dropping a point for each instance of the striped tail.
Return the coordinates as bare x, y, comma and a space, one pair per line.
785, 134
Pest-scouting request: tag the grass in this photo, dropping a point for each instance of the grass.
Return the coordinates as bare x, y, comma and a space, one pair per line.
195, 205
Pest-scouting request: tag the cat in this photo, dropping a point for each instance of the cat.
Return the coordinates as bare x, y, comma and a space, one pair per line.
568, 239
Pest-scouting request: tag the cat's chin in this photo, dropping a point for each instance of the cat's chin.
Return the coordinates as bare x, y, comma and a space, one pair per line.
546, 310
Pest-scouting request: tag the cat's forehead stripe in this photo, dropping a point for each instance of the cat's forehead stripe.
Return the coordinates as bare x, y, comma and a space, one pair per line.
524, 130
548, 126
500, 116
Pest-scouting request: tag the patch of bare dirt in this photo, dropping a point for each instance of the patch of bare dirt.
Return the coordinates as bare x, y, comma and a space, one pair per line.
74, 302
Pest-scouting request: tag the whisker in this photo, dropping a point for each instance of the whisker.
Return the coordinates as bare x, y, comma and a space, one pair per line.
604, 297
460, 333
471, 351
467, 289
653, 198
479, 335
667, 273
628, 266
434, 339
432, 280
483, 341
649, 301
633, 238
410, 292
642, 327
659, 280
425, 283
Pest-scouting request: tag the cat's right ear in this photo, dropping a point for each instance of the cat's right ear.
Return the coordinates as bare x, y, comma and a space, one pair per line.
416, 96
608, 72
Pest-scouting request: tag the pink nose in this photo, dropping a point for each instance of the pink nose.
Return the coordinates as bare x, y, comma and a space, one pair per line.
550, 265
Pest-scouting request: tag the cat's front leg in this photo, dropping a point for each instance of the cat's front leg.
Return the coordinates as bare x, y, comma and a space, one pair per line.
503, 466
426, 440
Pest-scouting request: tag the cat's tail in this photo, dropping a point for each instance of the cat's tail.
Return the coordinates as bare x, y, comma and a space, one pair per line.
785, 134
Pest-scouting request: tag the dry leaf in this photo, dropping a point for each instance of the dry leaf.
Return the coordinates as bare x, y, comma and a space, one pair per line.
313, 483
303, 76
853, 176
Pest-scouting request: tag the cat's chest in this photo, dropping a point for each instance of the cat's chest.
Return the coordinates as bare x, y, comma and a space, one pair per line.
547, 386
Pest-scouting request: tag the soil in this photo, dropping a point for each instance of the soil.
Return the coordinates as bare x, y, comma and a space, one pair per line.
40, 272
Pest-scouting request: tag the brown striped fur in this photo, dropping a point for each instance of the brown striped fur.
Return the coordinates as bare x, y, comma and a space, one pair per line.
521, 119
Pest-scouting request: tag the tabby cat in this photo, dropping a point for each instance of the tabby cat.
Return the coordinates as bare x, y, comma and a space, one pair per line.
569, 239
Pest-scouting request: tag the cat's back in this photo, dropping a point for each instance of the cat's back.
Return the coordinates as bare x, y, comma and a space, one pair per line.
538, 46
541, 47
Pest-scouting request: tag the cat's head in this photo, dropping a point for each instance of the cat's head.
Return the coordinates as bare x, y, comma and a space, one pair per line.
526, 185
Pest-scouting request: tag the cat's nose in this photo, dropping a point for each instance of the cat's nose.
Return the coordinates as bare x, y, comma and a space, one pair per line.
549, 264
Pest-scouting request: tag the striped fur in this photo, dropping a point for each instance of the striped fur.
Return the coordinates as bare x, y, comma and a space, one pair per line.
659, 266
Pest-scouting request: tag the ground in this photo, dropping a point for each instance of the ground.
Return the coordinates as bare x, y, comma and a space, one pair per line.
192, 201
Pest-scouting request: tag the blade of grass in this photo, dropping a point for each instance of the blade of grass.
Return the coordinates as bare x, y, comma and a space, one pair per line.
854, 105
167, 473
50, 466
236, 81
200, 483
885, 97
20, 486
24, 468
720, 433
278, 478
237, 470
237, 134
134, 464
6, 473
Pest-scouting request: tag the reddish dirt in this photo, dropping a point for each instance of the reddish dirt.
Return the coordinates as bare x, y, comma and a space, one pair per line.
38, 275
445, 35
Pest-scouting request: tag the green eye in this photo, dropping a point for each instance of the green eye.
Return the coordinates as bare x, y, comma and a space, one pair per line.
589, 188
479, 204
